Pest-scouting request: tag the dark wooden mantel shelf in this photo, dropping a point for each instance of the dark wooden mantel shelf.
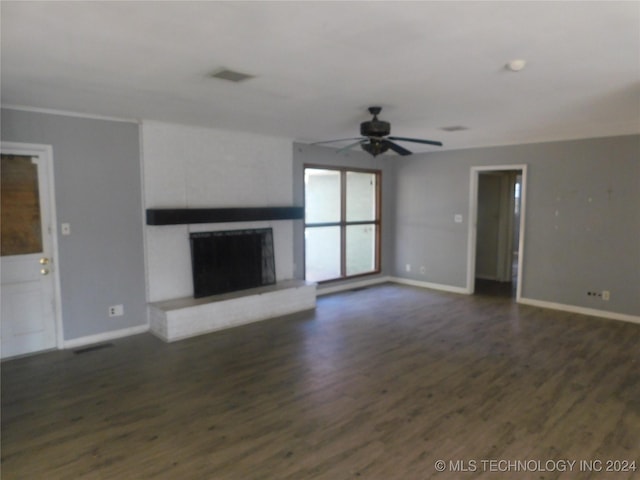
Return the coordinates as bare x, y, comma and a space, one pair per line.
182, 216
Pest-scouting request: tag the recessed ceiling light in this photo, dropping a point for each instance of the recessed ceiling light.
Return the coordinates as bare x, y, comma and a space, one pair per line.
516, 65
454, 128
231, 75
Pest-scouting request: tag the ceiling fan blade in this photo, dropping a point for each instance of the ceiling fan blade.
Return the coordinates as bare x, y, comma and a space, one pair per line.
416, 140
351, 145
396, 148
338, 140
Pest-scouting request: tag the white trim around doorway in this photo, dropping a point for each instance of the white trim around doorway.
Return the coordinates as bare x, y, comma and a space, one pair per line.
473, 219
45, 154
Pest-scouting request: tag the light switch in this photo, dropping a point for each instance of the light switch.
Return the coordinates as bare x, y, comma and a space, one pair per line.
65, 228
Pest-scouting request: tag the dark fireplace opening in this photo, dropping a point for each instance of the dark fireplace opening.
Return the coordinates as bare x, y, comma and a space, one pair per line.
232, 260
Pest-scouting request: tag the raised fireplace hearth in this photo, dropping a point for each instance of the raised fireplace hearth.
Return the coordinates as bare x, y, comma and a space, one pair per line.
234, 282
182, 318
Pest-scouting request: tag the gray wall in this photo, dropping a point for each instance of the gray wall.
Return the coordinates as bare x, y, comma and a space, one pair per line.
592, 243
582, 218
97, 191
324, 156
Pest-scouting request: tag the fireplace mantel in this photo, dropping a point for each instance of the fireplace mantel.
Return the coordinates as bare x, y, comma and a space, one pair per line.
183, 216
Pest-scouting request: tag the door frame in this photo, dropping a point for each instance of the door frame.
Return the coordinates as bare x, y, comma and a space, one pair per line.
45, 154
473, 222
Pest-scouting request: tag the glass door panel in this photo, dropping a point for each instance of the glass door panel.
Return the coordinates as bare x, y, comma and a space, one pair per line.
322, 247
361, 196
21, 223
322, 196
361, 249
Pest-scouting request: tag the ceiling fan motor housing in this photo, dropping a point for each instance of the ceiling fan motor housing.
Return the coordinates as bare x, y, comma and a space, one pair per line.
375, 128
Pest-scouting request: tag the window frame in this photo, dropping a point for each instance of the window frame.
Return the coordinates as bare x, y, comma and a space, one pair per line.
343, 223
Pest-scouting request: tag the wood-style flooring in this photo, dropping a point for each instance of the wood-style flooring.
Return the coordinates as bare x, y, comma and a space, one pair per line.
379, 384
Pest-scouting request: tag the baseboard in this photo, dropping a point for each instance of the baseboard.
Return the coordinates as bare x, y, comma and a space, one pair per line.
429, 285
351, 285
104, 337
593, 312
125, 332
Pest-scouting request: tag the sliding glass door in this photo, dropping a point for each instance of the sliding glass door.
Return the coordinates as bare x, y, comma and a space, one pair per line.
342, 223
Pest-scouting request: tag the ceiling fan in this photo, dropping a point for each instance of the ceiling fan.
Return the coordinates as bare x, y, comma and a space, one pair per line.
375, 137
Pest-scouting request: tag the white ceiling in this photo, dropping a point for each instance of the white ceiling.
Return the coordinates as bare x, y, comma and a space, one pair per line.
318, 65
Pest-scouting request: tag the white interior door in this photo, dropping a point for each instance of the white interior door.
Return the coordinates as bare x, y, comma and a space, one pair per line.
28, 312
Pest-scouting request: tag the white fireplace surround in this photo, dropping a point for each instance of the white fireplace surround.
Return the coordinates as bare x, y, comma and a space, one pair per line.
193, 167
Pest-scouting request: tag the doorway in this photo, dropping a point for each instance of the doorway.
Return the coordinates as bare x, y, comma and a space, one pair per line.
496, 227
29, 295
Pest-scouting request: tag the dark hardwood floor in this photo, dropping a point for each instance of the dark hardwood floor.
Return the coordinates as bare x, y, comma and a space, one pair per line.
375, 384
495, 289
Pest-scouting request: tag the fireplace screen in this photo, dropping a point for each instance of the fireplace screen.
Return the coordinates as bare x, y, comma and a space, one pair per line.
233, 260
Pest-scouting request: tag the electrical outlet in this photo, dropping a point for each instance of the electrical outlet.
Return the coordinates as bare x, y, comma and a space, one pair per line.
116, 310
604, 295
408, 267
423, 270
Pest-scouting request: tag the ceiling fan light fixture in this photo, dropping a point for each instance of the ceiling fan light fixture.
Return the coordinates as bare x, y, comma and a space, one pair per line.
375, 147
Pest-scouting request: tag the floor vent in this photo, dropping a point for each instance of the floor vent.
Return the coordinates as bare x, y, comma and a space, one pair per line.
93, 348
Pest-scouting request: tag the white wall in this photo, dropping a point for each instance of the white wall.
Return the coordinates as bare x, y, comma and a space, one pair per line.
191, 167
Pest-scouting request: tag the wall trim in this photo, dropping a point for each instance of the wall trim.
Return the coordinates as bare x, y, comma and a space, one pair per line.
429, 285
351, 285
473, 222
461, 290
580, 310
386, 279
68, 113
126, 332
104, 337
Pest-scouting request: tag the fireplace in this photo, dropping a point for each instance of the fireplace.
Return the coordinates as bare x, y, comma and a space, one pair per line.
227, 261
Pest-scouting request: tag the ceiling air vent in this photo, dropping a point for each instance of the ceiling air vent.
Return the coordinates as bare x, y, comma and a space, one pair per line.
454, 128
231, 75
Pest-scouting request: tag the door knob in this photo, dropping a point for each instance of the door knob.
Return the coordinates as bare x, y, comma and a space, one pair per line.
44, 261
44, 271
